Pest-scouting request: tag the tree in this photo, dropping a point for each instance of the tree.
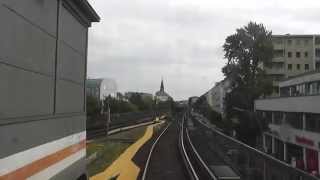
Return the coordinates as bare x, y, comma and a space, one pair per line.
93, 106
247, 51
118, 105
142, 102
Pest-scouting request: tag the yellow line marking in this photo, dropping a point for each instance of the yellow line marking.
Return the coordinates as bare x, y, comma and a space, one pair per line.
124, 167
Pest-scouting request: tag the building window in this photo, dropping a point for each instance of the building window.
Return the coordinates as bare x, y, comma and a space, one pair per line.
277, 117
313, 88
289, 54
306, 67
295, 152
317, 52
300, 90
298, 66
298, 54
284, 91
268, 115
293, 91
268, 145
278, 149
306, 54
289, 66
317, 40
308, 87
294, 120
306, 42
297, 41
313, 122
289, 41
317, 65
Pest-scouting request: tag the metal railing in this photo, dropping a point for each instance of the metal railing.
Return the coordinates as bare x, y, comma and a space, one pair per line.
99, 126
252, 163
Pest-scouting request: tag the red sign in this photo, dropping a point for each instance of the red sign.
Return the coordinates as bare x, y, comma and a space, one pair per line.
305, 141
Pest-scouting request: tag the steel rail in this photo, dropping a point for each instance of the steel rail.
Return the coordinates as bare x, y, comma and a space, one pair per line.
151, 151
189, 164
200, 159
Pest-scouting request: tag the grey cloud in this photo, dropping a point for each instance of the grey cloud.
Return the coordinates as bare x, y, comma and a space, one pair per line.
138, 41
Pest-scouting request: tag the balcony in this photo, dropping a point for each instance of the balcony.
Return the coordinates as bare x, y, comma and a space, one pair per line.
275, 70
278, 59
278, 46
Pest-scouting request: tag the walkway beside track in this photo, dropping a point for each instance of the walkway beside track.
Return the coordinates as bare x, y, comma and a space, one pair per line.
124, 168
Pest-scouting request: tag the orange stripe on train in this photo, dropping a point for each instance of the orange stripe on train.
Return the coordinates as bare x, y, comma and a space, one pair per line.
43, 163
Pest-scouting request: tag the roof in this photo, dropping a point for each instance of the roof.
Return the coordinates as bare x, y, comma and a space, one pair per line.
93, 82
295, 35
301, 78
300, 75
162, 93
86, 9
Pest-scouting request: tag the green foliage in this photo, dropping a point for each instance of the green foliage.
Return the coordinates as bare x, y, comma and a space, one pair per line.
93, 106
213, 116
118, 105
247, 51
121, 105
142, 103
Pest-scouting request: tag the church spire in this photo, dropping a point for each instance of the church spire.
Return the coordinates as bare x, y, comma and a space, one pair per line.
162, 86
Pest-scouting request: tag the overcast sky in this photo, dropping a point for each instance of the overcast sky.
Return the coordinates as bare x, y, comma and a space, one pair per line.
139, 41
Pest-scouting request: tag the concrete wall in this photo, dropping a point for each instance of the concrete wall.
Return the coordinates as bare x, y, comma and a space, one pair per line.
290, 104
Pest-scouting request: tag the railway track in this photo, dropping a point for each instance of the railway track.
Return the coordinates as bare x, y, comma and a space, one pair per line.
196, 167
147, 165
191, 163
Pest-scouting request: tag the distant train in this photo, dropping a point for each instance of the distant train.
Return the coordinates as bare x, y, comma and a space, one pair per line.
43, 59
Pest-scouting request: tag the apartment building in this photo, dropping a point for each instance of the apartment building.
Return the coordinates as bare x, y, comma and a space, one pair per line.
216, 96
293, 120
293, 55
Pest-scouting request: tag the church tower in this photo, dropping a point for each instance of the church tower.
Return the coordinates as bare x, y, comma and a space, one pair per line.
162, 86
161, 95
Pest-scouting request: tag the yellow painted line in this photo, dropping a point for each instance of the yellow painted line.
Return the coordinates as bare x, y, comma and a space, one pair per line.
124, 167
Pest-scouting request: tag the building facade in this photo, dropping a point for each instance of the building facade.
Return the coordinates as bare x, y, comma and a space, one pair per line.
293, 55
101, 88
216, 96
293, 121
192, 100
